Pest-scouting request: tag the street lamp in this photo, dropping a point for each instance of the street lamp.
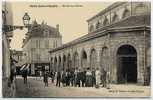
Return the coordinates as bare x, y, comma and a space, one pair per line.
9, 28
26, 19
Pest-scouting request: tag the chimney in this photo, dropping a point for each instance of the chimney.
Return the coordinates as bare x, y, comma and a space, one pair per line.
57, 27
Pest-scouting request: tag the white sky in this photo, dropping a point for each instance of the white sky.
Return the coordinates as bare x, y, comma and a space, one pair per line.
72, 20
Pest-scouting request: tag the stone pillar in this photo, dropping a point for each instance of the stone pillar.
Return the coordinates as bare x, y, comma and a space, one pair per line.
113, 65
141, 65
88, 58
98, 51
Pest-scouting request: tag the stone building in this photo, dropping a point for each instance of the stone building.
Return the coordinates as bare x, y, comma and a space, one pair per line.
40, 38
118, 40
8, 88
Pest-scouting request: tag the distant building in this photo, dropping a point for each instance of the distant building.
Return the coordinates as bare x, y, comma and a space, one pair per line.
118, 40
40, 38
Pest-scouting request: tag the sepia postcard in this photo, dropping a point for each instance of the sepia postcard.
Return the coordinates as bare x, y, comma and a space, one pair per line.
76, 49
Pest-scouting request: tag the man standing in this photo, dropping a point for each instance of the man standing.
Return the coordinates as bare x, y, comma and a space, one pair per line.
93, 77
58, 79
104, 73
89, 78
46, 78
108, 79
24, 75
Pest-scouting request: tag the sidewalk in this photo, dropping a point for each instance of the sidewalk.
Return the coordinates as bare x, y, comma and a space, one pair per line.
35, 88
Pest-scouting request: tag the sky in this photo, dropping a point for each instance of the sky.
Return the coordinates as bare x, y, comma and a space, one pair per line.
72, 20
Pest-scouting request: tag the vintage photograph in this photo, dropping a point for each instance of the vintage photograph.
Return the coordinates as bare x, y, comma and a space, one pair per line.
76, 49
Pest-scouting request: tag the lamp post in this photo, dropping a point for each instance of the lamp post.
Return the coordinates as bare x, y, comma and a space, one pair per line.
8, 28
26, 19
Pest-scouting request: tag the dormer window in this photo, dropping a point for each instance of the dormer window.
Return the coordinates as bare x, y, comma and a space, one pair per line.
115, 18
91, 28
106, 22
140, 9
97, 25
126, 13
46, 33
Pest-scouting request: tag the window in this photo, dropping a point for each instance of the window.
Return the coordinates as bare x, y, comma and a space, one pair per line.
106, 22
97, 25
54, 44
46, 33
37, 44
46, 43
140, 9
91, 28
115, 18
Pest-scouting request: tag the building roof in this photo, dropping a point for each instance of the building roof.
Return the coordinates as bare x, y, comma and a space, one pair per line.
110, 7
37, 30
137, 22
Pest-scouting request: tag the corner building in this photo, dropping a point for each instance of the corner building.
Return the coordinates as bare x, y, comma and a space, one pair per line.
40, 38
118, 40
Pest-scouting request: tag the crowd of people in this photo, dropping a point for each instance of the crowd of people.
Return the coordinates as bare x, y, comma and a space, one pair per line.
78, 78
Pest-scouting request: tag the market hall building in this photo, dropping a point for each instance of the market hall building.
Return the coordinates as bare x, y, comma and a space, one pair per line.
118, 40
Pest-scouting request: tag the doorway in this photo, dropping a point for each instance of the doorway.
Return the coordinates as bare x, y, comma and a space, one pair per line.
127, 64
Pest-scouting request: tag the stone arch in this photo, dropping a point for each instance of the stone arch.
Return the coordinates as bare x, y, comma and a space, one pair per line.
126, 13
93, 59
105, 22
140, 8
114, 58
76, 60
132, 43
115, 18
126, 64
84, 62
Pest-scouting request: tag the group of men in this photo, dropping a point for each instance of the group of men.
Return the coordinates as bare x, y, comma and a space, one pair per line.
78, 78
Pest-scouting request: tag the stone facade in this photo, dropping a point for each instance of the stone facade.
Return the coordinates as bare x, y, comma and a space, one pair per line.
39, 40
8, 88
118, 33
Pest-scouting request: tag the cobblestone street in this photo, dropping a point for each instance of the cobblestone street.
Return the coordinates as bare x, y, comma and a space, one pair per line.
35, 88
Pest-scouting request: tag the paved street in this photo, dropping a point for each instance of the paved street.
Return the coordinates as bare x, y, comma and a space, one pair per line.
35, 88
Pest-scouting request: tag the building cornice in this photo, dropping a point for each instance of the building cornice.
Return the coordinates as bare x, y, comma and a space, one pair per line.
102, 33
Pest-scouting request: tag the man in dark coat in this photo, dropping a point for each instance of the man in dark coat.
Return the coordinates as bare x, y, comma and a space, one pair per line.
93, 78
104, 73
72, 76
83, 77
58, 79
67, 78
63, 80
24, 75
46, 78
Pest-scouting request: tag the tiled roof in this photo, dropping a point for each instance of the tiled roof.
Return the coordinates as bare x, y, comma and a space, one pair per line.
38, 30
